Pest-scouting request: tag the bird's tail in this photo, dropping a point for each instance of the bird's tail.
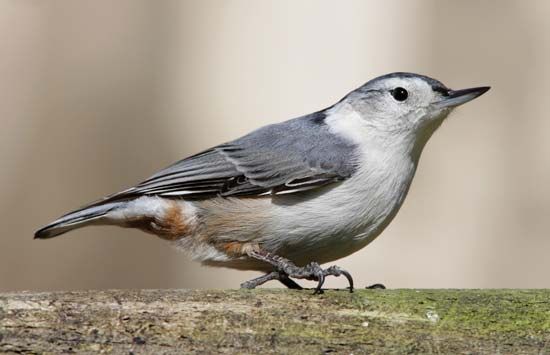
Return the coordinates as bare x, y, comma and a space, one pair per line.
94, 214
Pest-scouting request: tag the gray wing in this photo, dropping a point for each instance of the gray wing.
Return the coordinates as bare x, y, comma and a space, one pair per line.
288, 157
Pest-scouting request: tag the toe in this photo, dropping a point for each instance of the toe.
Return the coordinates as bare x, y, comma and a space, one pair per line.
321, 278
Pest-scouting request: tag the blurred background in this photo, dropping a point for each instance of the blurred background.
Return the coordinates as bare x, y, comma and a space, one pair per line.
96, 96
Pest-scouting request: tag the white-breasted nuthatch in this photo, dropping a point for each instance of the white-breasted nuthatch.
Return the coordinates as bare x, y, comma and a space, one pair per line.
291, 195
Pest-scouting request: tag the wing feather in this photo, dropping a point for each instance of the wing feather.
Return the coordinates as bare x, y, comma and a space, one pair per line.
289, 157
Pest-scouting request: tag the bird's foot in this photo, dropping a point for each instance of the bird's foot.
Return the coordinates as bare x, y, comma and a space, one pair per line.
338, 271
250, 284
275, 275
286, 269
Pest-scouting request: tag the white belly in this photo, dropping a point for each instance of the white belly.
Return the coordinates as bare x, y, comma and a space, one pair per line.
336, 221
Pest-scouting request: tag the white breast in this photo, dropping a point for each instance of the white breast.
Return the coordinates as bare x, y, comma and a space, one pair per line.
338, 220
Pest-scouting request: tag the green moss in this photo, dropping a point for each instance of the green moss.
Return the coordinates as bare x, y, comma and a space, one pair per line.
406, 320
396, 320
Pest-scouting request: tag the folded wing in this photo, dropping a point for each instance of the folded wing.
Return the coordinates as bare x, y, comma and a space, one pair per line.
289, 157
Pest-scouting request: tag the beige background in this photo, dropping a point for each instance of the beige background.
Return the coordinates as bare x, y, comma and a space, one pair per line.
97, 95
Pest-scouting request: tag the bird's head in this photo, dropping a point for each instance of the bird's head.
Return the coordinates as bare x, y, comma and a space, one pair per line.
405, 103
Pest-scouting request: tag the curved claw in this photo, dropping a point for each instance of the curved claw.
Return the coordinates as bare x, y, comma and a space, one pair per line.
318, 289
350, 279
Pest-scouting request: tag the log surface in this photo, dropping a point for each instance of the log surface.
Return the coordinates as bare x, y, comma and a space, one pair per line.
277, 321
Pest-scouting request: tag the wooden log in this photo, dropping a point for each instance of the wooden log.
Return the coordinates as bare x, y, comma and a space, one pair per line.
276, 321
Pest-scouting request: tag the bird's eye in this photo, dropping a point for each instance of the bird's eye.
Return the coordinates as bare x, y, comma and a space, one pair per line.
399, 94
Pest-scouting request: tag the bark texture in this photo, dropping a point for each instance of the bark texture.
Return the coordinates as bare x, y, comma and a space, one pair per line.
277, 321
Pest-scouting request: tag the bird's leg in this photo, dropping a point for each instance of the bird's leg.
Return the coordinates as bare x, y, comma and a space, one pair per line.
311, 271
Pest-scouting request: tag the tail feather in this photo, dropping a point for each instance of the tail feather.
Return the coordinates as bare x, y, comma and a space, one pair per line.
80, 218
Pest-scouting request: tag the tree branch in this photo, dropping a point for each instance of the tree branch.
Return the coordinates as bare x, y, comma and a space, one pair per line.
280, 321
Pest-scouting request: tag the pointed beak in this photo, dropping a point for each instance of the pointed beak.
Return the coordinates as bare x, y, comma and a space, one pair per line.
459, 97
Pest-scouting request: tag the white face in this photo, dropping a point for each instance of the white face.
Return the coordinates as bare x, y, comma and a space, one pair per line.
400, 103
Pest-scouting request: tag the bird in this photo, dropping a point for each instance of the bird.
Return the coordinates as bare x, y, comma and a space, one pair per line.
290, 196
